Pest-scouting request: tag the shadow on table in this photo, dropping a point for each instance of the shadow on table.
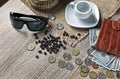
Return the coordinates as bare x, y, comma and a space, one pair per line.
2, 2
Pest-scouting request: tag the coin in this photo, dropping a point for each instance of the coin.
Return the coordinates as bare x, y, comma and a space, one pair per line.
51, 59
78, 61
83, 74
95, 66
88, 61
84, 68
75, 52
109, 74
89, 51
93, 75
61, 64
59, 26
118, 74
101, 75
67, 56
69, 66
30, 47
52, 17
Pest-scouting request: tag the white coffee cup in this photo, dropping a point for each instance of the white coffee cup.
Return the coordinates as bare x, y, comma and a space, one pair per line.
82, 9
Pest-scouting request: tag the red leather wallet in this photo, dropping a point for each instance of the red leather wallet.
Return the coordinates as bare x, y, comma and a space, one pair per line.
109, 37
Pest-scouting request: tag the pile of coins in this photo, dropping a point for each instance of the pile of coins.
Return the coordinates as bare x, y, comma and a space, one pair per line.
84, 70
64, 64
67, 57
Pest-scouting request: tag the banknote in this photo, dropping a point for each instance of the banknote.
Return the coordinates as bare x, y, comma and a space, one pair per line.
119, 65
99, 63
113, 64
93, 34
105, 58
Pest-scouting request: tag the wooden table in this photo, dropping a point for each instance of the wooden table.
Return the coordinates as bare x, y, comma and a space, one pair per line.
18, 63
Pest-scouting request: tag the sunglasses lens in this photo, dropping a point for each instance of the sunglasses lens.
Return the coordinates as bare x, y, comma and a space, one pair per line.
36, 26
16, 23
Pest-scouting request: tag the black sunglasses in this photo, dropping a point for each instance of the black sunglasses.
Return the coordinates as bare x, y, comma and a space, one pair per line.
34, 23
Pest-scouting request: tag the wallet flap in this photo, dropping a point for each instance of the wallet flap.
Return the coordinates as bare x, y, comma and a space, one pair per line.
116, 25
109, 37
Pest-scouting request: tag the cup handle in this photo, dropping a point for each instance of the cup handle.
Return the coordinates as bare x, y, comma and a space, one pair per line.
72, 4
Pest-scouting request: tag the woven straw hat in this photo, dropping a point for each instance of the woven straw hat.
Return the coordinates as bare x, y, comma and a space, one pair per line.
43, 4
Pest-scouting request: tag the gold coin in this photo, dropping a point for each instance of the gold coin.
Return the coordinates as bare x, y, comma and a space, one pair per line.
30, 46
95, 66
51, 59
75, 52
93, 75
83, 74
67, 56
109, 74
62, 63
84, 68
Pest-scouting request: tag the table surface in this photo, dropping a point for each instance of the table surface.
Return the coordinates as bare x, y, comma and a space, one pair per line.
18, 63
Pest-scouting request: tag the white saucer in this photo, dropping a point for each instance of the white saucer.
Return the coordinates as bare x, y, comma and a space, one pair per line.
74, 21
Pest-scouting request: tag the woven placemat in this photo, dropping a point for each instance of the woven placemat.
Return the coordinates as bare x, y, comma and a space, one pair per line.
59, 12
107, 9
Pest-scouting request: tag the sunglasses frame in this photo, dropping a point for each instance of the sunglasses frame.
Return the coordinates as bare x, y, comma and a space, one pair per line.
37, 19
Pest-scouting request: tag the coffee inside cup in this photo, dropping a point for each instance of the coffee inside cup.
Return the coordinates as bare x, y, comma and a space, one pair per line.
83, 7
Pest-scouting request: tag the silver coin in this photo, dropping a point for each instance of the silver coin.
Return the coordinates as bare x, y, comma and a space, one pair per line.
88, 61
52, 17
69, 66
101, 75
78, 61
60, 26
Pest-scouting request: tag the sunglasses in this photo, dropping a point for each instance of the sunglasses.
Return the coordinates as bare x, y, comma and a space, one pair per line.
34, 23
